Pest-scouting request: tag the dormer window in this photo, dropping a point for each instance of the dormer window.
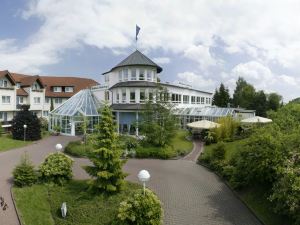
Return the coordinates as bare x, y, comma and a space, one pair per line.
18, 85
35, 87
69, 89
133, 74
3, 83
141, 74
57, 89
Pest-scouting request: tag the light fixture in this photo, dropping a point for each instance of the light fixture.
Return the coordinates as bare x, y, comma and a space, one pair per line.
58, 147
144, 176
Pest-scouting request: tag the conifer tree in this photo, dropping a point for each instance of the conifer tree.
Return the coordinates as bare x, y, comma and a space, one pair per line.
107, 168
33, 130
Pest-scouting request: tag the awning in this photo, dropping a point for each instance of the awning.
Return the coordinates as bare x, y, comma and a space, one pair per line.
256, 119
203, 124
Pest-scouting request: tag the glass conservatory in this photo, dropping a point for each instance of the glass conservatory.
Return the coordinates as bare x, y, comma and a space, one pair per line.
78, 110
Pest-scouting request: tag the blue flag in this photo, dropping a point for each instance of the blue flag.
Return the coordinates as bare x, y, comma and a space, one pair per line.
137, 30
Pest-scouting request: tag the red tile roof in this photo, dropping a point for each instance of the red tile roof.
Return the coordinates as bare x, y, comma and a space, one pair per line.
53, 81
7, 74
21, 92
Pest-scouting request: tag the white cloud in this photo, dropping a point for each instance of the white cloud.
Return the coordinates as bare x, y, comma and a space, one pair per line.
195, 80
200, 54
162, 60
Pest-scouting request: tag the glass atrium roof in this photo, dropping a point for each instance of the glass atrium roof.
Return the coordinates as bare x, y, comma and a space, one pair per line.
83, 102
204, 111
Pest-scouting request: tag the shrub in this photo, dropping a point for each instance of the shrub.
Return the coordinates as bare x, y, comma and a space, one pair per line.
218, 152
24, 173
33, 130
227, 130
76, 148
1, 129
141, 209
44, 123
147, 151
56, 168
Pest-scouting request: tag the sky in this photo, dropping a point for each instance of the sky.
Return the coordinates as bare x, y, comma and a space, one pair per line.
197, 42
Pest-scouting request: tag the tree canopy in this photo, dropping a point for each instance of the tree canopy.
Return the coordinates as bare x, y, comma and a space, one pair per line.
221, 96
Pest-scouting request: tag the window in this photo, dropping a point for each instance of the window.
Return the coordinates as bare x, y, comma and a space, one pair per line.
120, 75
133, 74
58, 101
150, 95
198, 100
45, 113
37, 100
35, 86
186, 99
132, 96
202, 100
193, 100
47, 100
207, 101
125, 74
20, 99
6, 99
18, 85
176, 98
69, 89
149, 75
106, 77
142, 95
56, 89
123, 95
106, 95
118, 97
3, 116
3, 83
141, 74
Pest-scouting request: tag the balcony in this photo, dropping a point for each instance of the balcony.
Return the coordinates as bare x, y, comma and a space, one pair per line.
7, 88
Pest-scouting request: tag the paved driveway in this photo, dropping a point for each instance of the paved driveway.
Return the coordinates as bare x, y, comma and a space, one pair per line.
191, 194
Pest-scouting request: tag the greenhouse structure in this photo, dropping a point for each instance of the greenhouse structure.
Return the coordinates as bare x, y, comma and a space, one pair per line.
191, 114
70, 117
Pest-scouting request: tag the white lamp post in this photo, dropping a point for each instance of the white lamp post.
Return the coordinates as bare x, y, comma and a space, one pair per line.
144, 176
58, 147
64, 209
24, 126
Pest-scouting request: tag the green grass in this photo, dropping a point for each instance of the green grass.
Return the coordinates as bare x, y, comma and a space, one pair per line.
33, 205
84, 208
179, 146
7, 143
78, 149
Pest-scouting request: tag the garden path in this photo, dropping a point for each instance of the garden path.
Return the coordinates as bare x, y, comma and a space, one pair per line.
191, 194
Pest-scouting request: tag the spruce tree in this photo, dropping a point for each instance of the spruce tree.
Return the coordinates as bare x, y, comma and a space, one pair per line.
221, 97
107, 165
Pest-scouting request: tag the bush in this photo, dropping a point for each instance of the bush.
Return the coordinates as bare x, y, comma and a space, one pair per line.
1, 129
76, 148
141, 209
218, 152
227, 130
44, 123
24, 173
33, 130
147, 151
56, 168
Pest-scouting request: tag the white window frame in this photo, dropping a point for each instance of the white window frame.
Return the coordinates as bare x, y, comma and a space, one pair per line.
123, 91
120, 75
6, 99
69, 89
37, 100
141, 72
125, 74
57, 89
134, 99
149, 75
135, 73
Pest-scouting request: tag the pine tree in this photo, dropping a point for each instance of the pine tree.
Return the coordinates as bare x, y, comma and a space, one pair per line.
221, 97
33, 130
107, 168
244, 94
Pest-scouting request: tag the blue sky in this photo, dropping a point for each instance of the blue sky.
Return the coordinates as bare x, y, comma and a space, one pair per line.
201, 43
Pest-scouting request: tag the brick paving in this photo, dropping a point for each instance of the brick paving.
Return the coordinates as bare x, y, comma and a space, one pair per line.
191, 194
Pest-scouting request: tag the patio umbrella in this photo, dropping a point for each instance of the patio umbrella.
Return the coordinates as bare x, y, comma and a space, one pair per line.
256, 119
203, 124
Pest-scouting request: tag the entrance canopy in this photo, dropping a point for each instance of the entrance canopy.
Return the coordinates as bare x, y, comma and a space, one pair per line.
256, 119
203, 124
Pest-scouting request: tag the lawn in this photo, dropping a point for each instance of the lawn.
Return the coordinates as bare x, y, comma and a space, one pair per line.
231, 148
41, 204
7, 143
256, 198
179, 146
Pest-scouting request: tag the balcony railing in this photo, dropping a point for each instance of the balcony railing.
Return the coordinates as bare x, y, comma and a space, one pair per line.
7, 88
